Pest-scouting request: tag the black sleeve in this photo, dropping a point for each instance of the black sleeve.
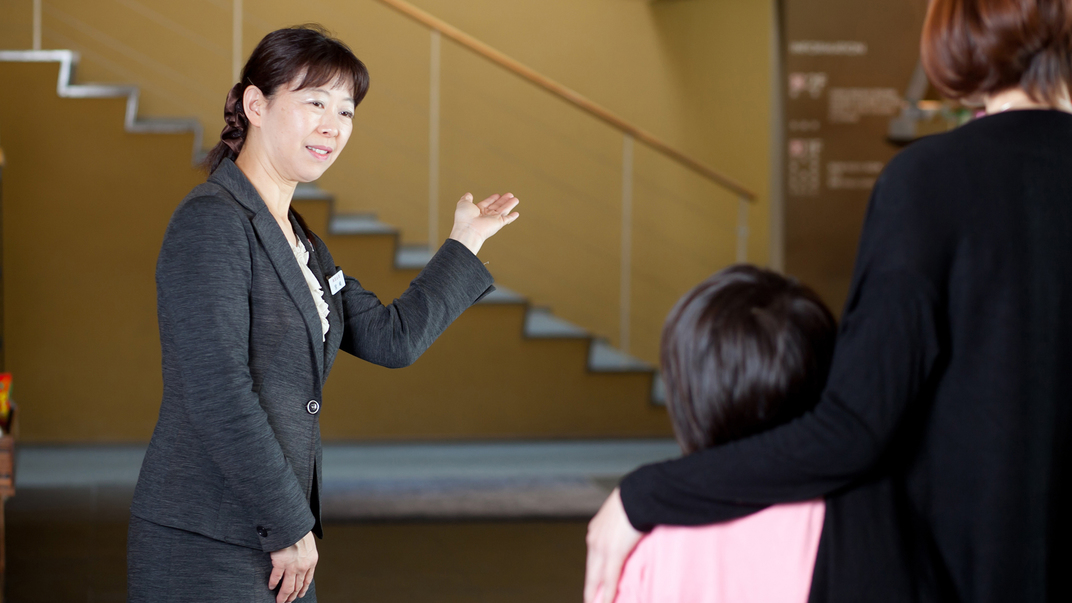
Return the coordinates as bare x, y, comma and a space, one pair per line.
396, 334
887, 343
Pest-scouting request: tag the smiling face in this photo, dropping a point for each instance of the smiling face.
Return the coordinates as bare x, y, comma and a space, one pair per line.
303, 131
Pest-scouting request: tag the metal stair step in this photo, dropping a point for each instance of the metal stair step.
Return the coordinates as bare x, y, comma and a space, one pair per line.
65, 88
606, 358
541, 322
310, 191
358, 224
502, 295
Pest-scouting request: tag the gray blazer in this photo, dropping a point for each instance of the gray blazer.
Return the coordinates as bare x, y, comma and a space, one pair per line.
236, 452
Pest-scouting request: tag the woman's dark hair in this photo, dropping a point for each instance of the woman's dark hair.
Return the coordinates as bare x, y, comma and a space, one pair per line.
745, 350
974, 47
307, 52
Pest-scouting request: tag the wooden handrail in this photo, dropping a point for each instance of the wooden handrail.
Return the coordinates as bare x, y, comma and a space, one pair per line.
567, 94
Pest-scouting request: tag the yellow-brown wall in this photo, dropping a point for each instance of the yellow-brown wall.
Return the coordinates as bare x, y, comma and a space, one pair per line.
79, 228
693, 73
16, 24
80, 239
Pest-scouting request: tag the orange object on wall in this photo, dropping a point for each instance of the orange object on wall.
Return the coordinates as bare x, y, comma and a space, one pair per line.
6, 406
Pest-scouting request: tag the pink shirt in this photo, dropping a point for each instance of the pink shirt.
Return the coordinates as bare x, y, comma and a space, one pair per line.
767, 557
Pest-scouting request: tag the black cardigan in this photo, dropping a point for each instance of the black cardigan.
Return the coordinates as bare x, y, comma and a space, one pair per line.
941, 441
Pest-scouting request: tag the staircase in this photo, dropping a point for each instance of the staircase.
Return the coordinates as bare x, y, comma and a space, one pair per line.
85, 206
552, 378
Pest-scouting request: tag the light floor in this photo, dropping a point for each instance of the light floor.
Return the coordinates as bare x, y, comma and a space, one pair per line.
403, 522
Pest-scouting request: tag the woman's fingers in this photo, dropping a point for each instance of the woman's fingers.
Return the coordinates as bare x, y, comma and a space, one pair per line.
295, 587
593, 572
612, 570
299, 580
307, 582
292, 569
503, 205
286, 587
611, 538
486, 202
475, 223
495, 203
293, 584
277, 575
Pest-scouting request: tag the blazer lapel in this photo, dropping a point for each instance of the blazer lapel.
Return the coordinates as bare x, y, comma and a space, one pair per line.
331, 347
282, 256
335, 327
278, 250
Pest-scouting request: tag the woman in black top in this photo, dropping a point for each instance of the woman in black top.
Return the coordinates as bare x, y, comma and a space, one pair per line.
942, 438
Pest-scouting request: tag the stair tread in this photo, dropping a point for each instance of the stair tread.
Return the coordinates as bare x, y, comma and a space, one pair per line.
413, 257
540, 322
658, 390
502, 295
66, 88
309, 190
356, 224
604, 357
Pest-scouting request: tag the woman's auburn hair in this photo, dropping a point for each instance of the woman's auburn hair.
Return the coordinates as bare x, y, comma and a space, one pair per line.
976, 47
742, 352
303, 56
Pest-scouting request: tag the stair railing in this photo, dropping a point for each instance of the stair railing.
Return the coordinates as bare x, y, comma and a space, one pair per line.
630, 133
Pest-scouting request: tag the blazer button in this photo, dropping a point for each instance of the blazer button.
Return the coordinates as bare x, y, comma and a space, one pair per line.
262, 531
313, 407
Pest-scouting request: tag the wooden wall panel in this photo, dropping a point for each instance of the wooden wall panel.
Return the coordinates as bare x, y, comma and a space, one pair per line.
846, 66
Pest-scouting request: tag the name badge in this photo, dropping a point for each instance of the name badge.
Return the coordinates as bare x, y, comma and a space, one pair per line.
337, 282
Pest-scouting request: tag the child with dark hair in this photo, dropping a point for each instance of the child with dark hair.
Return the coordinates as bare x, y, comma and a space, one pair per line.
744, 351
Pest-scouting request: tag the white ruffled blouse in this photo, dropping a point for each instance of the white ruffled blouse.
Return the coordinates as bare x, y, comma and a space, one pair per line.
302, 255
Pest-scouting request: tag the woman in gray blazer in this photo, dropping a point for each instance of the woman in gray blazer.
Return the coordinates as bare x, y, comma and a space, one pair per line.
252, 311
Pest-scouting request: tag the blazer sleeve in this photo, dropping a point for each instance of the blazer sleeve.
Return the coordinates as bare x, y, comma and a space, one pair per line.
887, 344
203, 279
396, 334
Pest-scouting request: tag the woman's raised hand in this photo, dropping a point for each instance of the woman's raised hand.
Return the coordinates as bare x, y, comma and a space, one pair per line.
292, 569
611, 538
474, 223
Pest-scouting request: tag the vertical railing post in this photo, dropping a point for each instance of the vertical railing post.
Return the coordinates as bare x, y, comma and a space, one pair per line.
742, 229
433, 142
36, 24
236, 41
626, 278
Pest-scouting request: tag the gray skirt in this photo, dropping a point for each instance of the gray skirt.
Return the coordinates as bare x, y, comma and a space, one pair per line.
167, 565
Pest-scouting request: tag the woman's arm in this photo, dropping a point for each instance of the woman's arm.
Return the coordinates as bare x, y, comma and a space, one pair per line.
884, 355
396, 334
886, 347
888, 342
203, 282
